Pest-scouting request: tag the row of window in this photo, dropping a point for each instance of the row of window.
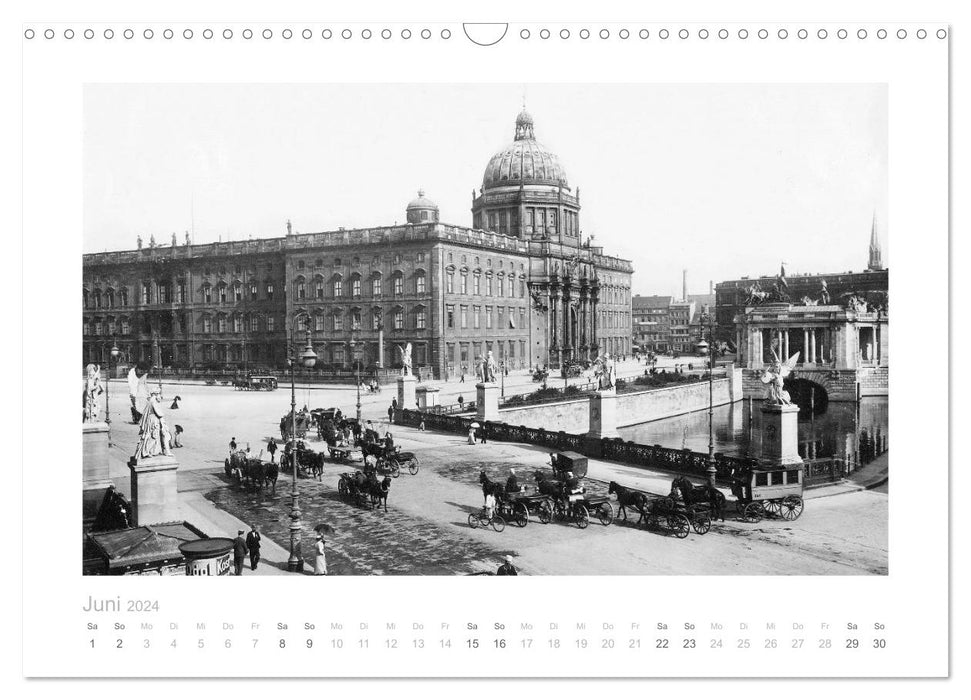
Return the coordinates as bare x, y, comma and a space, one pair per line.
493, 287
492, 318
538, 219
337, 287
375, 260
462, 354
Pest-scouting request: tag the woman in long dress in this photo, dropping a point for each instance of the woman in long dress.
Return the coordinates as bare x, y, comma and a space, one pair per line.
320, 560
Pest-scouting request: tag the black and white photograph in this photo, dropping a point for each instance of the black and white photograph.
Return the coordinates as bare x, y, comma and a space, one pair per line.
438, 329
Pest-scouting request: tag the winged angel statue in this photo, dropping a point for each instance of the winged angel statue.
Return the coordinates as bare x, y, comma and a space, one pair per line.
775, 375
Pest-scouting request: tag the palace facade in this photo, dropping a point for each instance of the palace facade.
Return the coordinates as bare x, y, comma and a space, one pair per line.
519, 282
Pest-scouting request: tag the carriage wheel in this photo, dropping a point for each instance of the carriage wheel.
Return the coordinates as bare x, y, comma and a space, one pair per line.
545, 512
413, 466
395, 470
679, 525
702, 523
791, 507
521, 515
773, 507
581, 516
740, 507
559, 512
498, 524
606, 513
754, 512
474, 520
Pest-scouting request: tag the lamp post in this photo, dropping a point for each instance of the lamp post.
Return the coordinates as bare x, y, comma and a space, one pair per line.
112, 355
708, 348
357, 374
308, 358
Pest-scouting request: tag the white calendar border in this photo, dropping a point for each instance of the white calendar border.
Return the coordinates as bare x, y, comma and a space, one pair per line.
916, 204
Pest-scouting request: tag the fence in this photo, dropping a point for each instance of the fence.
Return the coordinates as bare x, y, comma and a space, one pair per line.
816, 471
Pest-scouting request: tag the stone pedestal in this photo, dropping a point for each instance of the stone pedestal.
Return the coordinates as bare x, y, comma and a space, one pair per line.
406, 393
427, 396
487, 401
154, 491
780, 435
603, 414
94, 469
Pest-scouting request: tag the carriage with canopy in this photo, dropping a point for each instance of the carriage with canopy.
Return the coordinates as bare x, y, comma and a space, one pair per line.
768, 492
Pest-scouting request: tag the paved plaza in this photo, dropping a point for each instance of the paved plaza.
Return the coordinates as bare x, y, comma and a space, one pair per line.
426, 531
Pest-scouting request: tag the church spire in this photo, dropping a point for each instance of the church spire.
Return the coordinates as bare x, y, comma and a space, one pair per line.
876, 260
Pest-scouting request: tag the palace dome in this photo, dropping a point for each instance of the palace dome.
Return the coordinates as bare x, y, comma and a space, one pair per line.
524, 161
421, 209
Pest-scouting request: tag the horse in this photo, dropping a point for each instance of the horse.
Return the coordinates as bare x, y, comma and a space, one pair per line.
379, 492
547, 487
705, 493
628, 497
490, 486
271, 474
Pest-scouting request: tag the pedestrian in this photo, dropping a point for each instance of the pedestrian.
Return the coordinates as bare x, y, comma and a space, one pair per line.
232, 445
490, 505
471, 435
391, 410
178, 436
421, 424
461, 402
320, 559
253, 544
175, 403
507, 569
239, 552
482, 433
462, 378
272, 448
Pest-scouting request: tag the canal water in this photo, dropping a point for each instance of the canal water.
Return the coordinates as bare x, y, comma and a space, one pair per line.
854, 432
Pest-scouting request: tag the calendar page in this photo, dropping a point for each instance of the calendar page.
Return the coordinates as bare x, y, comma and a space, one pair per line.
369, 311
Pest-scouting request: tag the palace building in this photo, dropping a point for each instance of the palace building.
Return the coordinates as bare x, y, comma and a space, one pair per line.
519, 282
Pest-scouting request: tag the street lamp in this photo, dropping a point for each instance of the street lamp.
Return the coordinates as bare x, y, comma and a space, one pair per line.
112, 354
357, 375
308, 358
707, 348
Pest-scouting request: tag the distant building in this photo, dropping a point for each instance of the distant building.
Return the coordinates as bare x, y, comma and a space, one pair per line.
650, 316
871, 285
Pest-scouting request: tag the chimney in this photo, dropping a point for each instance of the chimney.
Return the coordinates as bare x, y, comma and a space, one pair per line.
711, 287
684, 285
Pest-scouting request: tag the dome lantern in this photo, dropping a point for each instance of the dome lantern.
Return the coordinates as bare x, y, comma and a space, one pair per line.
421, 210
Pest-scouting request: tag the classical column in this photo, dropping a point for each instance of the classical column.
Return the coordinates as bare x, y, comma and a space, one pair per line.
805, 345
812, 346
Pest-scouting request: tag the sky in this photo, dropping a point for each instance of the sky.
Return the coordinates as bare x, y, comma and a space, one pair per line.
721, 180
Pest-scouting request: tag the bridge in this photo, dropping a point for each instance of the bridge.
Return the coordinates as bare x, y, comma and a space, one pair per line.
844, 352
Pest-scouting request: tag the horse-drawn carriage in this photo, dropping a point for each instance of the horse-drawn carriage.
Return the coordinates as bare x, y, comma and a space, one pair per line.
768, 492
389, 459
365, 490
540, 375
303, 424
687, 507
569, 500
251, 471
564, 463
307, 459
255, 382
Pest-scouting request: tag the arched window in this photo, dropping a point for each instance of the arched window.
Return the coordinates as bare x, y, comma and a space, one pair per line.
97, 298
420, 318
237, 323
238, 292
207, 324
397, 284
318, 322
269, 291
253, 291
254, 323
221, 324
475, 284
464, 283
355, 319
376, 285
221, 290
356, 287
489, 285
110, 299
420, 282
338, 288
124, 296
398, 318
338, 320
125, 326
206, 294
318, 287
300, 288
375, 318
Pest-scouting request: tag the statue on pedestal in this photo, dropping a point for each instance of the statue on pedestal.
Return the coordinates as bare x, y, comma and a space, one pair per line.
489, 368
405, 354
154, 438
92, 389
604, 370
774, 376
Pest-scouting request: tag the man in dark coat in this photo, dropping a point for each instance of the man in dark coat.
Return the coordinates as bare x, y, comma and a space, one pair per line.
507, 569
253, 545
239, 553
272, 448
